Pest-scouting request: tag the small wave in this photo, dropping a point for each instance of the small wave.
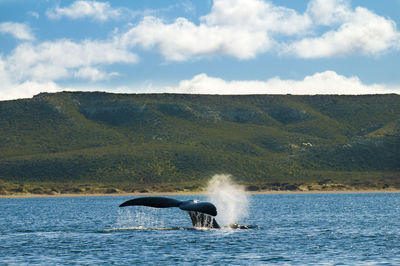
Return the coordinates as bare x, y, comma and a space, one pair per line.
276, 259
240, 227
141, 228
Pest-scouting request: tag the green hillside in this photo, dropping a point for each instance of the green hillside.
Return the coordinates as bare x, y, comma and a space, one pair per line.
81, 141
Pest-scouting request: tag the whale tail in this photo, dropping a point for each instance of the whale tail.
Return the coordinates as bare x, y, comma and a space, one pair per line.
201, 213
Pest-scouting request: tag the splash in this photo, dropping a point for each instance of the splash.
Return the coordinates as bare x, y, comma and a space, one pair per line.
142, 218
229, 198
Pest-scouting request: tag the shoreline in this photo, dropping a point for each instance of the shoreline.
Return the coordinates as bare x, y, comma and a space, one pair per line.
272, 192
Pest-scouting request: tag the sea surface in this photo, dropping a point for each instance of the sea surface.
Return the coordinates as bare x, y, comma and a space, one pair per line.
292, 229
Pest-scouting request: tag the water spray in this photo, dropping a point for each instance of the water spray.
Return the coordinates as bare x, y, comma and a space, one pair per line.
230, 199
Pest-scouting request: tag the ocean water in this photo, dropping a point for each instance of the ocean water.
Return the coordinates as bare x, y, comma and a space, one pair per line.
292, 229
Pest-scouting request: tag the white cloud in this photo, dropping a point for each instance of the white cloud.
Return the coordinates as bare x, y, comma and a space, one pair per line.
101, 11
31, 69
60, 59
256, 15
239, 28
34, 14
4, 75
93, 74
329, 12
35, 67
328, 82
362, 32
10, 90
17, 30
247, 28
27, 89
183, 39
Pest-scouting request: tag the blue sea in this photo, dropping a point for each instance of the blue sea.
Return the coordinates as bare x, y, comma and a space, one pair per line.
291, 229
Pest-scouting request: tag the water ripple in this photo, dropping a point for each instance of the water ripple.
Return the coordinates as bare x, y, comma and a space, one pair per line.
350, 229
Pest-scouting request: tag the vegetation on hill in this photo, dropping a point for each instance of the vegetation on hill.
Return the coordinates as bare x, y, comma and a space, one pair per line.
99, 142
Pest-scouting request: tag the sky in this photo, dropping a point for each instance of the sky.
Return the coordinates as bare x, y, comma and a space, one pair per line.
199, 46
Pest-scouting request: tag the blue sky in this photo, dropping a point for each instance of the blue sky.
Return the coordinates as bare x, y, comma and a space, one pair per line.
200, 46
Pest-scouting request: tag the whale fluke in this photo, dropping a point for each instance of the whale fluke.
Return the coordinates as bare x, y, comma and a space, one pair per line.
197, 206
201, 213
155, 202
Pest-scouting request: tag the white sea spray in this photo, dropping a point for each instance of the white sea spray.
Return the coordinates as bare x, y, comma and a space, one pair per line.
230, 199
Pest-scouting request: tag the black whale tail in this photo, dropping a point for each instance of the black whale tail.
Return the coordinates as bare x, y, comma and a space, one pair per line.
155, 202
201, 213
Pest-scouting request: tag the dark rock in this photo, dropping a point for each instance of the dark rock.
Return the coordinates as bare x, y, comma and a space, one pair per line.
76, 190
252, 188
17, 190
290, 187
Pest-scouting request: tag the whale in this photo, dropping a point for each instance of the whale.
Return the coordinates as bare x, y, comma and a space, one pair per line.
202, 214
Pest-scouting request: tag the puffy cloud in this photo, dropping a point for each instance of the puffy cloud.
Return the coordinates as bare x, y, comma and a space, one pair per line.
362, 32
258, 16
183, 39
239, 28
34, 67
31, 69
17, 30
93, 74
55, 60
10, 89
246, 28
101, 11
27, 89
329, 12
4, 75
328, 82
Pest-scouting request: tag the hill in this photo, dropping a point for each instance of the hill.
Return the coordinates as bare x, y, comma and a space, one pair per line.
94, 141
